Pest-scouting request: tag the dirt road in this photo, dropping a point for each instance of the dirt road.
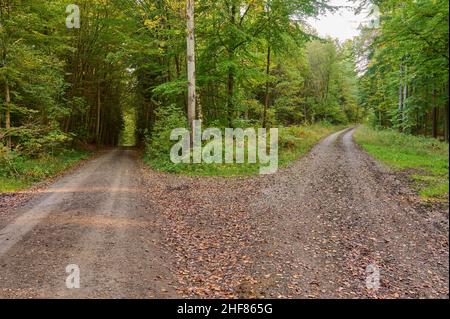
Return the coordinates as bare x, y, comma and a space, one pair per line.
309, 231
94, 218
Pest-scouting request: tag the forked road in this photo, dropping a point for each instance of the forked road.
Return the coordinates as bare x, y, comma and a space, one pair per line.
309, 231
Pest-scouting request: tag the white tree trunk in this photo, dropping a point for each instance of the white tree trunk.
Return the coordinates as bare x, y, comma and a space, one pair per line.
8, 116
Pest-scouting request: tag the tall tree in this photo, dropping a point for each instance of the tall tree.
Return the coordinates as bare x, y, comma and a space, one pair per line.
191, 62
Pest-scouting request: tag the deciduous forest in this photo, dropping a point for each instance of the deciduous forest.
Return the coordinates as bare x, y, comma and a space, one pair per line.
258, 63
355, 204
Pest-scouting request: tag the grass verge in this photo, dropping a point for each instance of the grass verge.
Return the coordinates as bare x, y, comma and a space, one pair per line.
294, 142
19, 172
426, 159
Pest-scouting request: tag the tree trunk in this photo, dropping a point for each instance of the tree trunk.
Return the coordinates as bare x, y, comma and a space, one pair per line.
405, 96
400, 100
97, 129
434, 117
8, 116
435, 121
230, 94
446, 107
199, 106
266, 99
191, 62
230, 82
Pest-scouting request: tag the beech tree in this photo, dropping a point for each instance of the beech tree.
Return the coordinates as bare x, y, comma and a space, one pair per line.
251, 64
406, 81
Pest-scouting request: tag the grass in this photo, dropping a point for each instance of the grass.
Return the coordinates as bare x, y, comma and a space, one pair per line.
293, 142
18, 172
425, 158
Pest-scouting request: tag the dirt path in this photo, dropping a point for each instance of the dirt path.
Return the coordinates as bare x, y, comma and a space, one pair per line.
94, 218
337, 211
308, 231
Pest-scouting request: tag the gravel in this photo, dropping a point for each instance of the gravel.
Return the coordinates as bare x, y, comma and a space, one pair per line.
309, 231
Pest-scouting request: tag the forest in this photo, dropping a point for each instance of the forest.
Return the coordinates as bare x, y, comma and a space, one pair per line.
122, 75
321, 172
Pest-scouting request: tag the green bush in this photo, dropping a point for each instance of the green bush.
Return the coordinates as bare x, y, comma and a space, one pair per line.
158, 144
294, 141
18, 171
40, 141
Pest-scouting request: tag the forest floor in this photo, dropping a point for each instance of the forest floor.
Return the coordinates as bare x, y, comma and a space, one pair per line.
309, 231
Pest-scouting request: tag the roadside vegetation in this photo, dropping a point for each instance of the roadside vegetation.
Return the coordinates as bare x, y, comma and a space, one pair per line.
255, 67
294, 141
425, 159
126, 67
18, 172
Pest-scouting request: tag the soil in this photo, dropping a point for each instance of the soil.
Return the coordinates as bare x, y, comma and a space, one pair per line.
309, 231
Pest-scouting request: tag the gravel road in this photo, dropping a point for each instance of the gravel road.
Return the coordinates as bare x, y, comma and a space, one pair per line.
309, 231
93, 218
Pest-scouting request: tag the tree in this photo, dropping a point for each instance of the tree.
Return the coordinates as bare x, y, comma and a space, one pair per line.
408, 58
191, 62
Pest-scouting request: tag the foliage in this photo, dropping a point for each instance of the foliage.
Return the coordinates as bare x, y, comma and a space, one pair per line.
121, 77
159, 143
405, 67
80, 82
425, 159
128, 135
18, 171
294, 141
244, 60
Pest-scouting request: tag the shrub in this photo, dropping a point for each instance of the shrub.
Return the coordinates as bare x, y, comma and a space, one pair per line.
158, 145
